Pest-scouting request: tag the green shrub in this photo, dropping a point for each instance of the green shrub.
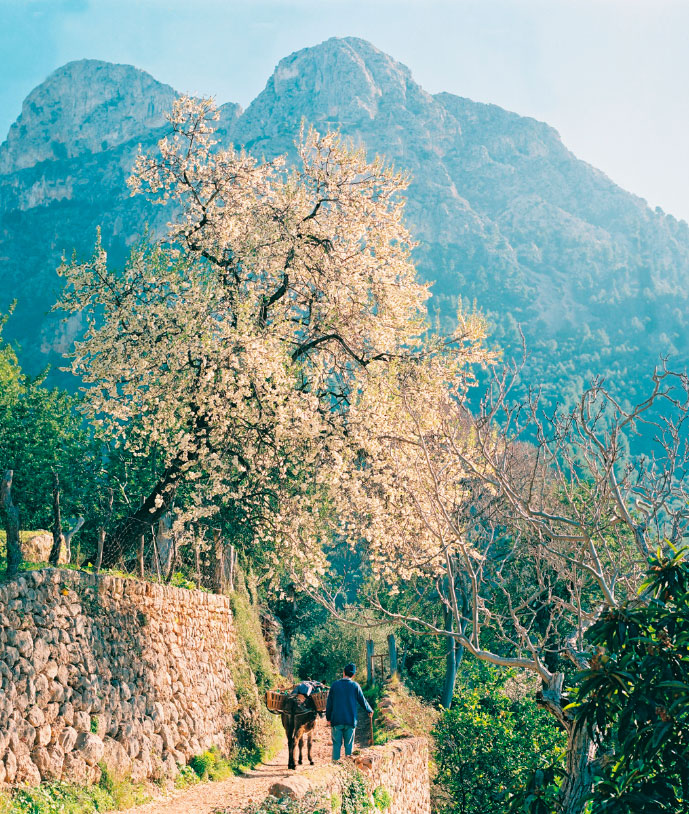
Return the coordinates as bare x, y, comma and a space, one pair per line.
329, 648
310, 804
382, 798
488, 743
64, 798
123, 793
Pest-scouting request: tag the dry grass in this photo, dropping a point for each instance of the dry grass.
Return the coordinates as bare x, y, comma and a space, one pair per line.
399, 712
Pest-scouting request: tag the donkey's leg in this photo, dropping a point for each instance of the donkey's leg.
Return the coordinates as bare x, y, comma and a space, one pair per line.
301, 748
310, 737
291, 746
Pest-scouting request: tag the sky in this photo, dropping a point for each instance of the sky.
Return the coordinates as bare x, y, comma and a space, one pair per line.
610, 75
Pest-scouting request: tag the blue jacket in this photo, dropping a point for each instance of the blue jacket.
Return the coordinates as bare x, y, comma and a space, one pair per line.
343, 698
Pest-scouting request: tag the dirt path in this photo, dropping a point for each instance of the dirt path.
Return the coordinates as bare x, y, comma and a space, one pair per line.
237, 792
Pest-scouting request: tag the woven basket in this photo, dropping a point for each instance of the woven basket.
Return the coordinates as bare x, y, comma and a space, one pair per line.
320, 699
275, 701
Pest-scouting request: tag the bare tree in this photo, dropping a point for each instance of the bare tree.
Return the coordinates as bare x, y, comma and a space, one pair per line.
11, 512
543, 517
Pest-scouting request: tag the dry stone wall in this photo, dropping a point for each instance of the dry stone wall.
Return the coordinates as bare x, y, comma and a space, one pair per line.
399, 766
99, 669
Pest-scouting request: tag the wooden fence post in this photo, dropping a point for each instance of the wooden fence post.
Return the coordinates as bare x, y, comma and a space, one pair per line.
370, 677
392, 648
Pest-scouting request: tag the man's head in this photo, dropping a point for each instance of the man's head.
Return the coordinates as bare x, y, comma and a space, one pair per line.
349, 669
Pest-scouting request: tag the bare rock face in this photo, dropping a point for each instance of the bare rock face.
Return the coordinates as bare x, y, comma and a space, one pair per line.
84, 107
90, 747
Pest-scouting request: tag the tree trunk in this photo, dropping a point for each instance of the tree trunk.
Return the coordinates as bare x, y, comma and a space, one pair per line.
581, 753
140, 560
219, 582
370, 677
99, 552
68, 539
165, 543
54, 558
451, 663
124, 540
197, 557
14, 549
581, 750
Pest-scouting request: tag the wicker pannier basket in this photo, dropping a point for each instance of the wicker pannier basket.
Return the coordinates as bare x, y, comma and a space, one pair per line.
275, 700
320, 699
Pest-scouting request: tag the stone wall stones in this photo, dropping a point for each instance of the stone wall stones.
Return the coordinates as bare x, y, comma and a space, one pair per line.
399, 766
102, 669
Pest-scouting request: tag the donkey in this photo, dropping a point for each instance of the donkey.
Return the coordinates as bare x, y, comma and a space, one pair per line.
298, 718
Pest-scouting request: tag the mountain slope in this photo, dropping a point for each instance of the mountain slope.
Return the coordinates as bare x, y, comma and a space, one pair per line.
505, 215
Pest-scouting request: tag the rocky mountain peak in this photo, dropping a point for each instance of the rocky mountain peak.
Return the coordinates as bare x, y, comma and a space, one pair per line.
85, 106
343, 83
349, 71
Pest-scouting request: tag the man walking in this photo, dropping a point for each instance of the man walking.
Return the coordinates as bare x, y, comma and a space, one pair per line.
344, 697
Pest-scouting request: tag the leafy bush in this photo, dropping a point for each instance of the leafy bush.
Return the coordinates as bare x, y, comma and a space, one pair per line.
382, 798
488, 743
186, 777
330, 647
635, 697
64, 798
310, 804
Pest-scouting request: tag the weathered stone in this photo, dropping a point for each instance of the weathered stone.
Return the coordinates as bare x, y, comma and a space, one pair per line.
41, 654
67, 738
49, 762
35, 716
293, 787
10, 767
82, 722
115, 758
26, 733
74, 769
23, 642
43, 735
27, 773
90, 747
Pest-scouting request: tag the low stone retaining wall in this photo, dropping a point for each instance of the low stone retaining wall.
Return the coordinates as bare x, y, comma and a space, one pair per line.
101, 669
400, 767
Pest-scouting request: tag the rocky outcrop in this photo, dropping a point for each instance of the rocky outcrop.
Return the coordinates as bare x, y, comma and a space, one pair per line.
86, 106
101, 670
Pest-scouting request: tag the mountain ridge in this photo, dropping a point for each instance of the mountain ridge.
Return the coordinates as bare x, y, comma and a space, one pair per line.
505, 214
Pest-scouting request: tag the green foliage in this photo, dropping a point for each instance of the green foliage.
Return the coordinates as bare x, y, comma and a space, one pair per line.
253, 673
311, 803
382, 798
248, 626
490, 741
635, 697
121, 790
42, 433
211, 765
355, 792
328, 648
64, 798
186, 776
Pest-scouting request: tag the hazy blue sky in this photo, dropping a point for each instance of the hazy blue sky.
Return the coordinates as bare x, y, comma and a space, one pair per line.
610, 75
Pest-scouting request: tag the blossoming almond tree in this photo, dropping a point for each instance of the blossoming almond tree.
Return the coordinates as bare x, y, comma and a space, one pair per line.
233, 348
526, 542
